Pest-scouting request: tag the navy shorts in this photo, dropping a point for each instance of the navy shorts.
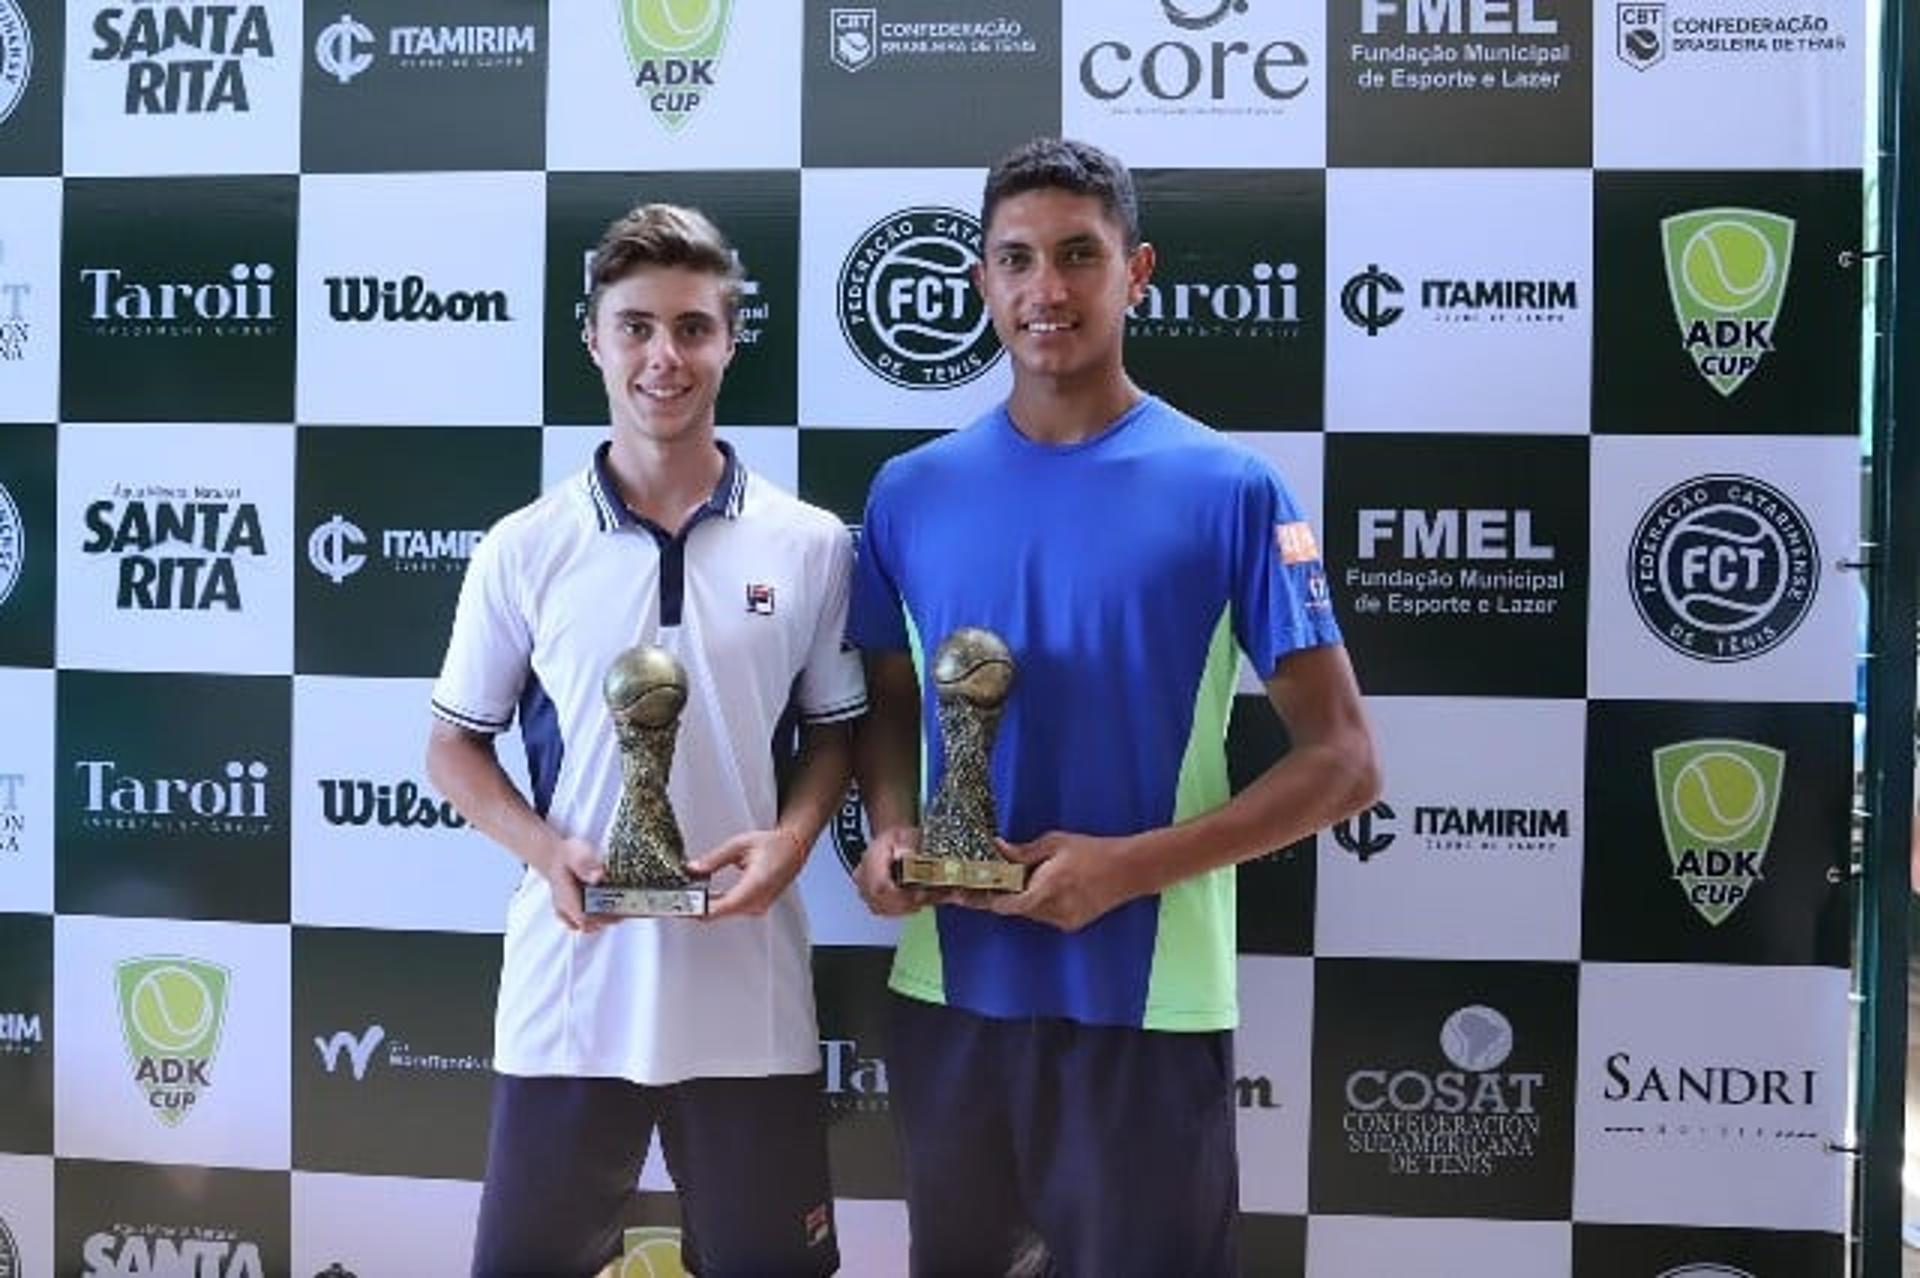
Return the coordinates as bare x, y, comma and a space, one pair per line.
1114, 1146
748, 1157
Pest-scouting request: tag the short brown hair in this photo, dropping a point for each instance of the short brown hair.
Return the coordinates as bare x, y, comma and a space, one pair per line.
665, 235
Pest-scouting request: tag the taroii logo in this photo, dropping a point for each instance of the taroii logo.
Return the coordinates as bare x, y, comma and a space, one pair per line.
1727, 272
9, 1249
357, 1048
20, 1035
171, 1012
15, 327
241, 305
177, 546
649, 1251
338, 548
16, 57
346, 48
849, 830
1370, 299
13, 544
1718, 799
1640, 38
13, 822
183, 57
190, 1251
1465, 1121
673, 47
361, 299
1366, 834
403, 805
907, 306
1176, 76
1262, 303
853, 37
233, 803
1723, 567
1455, 17
852, 1082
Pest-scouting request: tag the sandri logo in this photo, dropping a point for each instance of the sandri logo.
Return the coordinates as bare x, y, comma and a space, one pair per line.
171, 1011
1727, 272
673, 46
1717, 803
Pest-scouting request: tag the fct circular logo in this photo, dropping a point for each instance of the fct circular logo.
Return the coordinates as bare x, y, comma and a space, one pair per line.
907, 305
13, 544
16, 57
1723, 567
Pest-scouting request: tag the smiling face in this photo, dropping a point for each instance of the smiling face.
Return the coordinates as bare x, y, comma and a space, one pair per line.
660, 339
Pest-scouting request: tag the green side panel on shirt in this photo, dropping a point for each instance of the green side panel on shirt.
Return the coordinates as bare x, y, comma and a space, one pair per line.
918, 971
1193, 983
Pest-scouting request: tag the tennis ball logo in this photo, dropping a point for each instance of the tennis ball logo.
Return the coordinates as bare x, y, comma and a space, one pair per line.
171, 1008
651, 1251
171, 1011
677, 26
1727, 273
1718, 799
1728, 265
1718, 796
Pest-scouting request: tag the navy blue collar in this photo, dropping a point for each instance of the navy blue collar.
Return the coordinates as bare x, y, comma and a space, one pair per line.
611, 514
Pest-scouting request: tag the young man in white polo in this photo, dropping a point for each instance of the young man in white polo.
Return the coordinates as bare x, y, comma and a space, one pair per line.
702, 1029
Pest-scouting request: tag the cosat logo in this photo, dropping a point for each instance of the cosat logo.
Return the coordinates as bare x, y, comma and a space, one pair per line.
1723, 567
177, 546
171, 1012
239, 306
161, 1251
908, 308
1727, 273
358, 1049
1226, 76
360, 299
345, 48
1717, 801
13, 822
1640, 34
673, 47
15, 327
13, 544
650, 1251
16, 57
183, 57
1366, 834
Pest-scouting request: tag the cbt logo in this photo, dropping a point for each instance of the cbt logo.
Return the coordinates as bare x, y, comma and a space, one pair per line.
171, 1011
1640, 38
907, 306
1717, 802
1723, 567
1727, 272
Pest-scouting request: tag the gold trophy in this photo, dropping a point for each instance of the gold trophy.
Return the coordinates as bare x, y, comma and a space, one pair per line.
646, 874
972, 675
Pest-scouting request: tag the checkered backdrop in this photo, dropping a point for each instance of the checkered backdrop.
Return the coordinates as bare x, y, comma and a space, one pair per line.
1539, 305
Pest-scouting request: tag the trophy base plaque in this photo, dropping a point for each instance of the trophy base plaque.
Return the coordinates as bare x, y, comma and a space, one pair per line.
957, 872
646, 902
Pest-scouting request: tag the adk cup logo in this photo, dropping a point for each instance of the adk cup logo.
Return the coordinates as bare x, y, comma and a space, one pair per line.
1717, 800
171, 1012
1727, 272
907, 306
673, 47
1723, 568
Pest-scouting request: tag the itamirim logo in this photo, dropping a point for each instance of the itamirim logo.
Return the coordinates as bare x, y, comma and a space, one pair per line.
1717, 799
1727, 272
171, 1012
650, 1251
673, 47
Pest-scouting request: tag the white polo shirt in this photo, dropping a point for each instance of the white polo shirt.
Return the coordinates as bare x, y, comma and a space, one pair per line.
752, 598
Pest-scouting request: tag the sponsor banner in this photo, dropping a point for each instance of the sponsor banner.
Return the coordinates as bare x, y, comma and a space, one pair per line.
757, 212
384, 542
1273, 1067
1443, 1089
1340, 1246
433, 274
426, 84
29, 290
848, 981
195, 316
180, 86
176, 548
1718, 571
1437, 281
1461, 562
1459, 83
26, 791
1195, 83
171, 795
32, 58
1720, 833
331, 1214
1726, 84
1709, 1096
1604, 1251
393, 1074
363, 810
1727, 309
895, 334
116, 1219
674, 84
1235, 299
173, 1042
26, 1035
885, 81
1483, 810
28, 548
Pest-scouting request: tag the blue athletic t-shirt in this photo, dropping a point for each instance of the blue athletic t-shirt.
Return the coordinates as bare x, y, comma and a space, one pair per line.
1125, 573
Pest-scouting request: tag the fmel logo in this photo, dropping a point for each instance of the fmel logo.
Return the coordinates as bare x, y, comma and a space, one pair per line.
673, 47
1727, 272
1717, 799
16, 70
183, 57
177, 546
908, 308
171, 1012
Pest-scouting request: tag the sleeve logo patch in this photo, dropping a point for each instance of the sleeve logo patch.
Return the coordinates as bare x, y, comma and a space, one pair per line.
1296, 542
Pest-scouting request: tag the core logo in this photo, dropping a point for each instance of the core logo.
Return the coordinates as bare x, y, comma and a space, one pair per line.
171, 1013
1723, 567
907, 306
1727, 273
673, 47
1717, 801
1176, 76
16, 61
182, 57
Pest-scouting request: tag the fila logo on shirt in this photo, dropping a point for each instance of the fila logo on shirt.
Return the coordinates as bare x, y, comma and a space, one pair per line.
760, 599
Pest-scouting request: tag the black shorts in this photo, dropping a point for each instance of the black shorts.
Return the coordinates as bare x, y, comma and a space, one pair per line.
748, 1157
